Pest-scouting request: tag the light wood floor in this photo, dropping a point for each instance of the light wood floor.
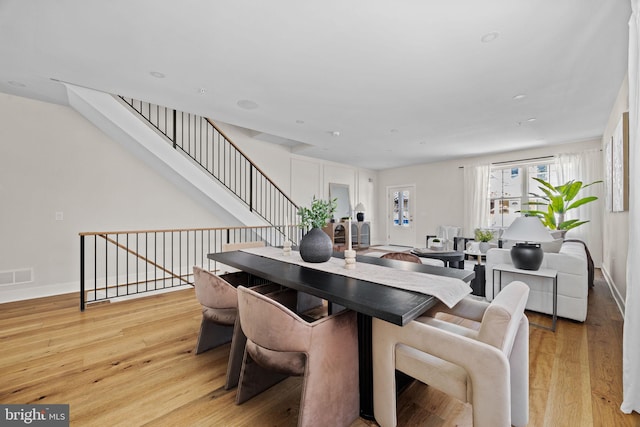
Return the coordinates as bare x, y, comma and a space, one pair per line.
131, 363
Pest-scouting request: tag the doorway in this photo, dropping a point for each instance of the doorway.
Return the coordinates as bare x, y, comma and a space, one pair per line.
400, 214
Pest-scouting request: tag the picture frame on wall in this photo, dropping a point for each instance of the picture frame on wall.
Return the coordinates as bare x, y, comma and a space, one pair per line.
608, 181
620, 165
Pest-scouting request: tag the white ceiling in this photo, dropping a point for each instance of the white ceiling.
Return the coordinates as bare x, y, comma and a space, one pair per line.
403, 82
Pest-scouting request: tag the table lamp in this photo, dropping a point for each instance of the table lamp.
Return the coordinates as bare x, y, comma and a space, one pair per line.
529, 231
360, 212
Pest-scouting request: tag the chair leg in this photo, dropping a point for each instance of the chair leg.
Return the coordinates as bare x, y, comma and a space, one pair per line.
519, 369
238, 343
384, 377
254, 379
212, 335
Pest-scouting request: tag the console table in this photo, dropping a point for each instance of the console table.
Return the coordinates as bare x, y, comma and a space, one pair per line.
360, 233
543, 272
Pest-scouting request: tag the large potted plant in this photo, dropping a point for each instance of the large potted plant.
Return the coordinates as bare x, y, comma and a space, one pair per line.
558, 200
315, 245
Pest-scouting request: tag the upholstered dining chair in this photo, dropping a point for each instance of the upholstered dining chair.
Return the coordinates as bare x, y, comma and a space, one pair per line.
488, 367
406, 256
402, 256
219, 324
282, 344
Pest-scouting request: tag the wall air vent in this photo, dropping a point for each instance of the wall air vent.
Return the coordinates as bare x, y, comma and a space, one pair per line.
14, 277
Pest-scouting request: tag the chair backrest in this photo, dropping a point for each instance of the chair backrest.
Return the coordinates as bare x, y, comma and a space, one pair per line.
226, 247
448, 232
270, 324
402, 256
501, 319
213, 291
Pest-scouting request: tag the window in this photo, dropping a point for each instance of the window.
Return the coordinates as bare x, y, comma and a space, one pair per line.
510, 187
401, 208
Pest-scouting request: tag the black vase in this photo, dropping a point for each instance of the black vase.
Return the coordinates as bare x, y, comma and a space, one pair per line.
316, 246
360, 216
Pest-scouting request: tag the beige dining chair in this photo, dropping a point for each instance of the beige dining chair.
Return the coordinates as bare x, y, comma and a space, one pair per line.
406, 256
219, 324
402, 256
488, 368
281, 344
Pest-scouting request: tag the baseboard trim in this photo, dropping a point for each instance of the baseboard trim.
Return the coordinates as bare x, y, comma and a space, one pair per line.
614, 291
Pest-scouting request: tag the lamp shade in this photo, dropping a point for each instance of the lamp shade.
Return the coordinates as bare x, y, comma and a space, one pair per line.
360, 207
527, 229
529, 232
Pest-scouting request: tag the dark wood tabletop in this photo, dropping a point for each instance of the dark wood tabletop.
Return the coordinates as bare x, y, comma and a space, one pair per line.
394, 305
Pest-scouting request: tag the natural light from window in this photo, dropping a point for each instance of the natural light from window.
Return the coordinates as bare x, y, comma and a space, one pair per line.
510, 187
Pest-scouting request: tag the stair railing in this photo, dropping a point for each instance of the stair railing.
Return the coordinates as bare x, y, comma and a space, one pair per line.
116, 264
201, 140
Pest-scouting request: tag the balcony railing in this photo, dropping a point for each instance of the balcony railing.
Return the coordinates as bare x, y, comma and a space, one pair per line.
201, 140
118, 264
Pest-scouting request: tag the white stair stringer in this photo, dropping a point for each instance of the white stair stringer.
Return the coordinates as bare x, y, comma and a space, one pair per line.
115, 120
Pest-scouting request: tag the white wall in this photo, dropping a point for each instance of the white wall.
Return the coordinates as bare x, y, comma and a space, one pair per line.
302, 177
53, 160
439, 186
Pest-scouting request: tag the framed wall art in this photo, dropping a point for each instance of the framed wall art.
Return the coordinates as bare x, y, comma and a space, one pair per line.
620, 165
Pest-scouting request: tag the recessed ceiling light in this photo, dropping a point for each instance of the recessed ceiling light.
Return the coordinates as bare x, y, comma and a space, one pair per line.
157, 74
202, 91
247, 104
489, 37
17, 84
300, 122
335, 133
531, 119
519, 96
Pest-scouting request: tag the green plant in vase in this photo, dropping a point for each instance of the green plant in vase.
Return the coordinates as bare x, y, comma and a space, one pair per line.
558, 200
315, 245
483, 237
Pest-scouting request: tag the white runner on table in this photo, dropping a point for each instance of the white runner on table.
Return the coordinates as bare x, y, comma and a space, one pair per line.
447, 289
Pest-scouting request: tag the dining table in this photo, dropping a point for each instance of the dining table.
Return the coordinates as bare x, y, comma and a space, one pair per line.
366, 296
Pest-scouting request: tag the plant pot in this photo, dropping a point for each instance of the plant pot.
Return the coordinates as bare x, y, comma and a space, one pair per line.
316, 246
484, 247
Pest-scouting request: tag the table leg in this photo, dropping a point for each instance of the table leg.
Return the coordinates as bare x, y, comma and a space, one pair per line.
365, 358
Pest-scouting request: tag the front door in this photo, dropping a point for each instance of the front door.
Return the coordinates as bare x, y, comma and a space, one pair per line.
400, 213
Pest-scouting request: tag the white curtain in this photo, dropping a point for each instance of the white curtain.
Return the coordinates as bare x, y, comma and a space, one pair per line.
586, 166
476, 198
631, 338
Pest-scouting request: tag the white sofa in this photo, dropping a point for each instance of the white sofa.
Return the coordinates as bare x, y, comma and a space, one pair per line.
573, 288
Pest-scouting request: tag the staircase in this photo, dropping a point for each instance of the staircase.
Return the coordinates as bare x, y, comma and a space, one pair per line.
192, 152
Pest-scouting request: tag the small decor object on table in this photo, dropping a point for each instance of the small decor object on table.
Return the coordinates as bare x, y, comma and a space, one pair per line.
349, 259
436, 244
483, 236
316, 246
286, 248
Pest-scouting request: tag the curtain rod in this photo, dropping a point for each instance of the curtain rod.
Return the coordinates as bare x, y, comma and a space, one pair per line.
523, 160
506, 162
